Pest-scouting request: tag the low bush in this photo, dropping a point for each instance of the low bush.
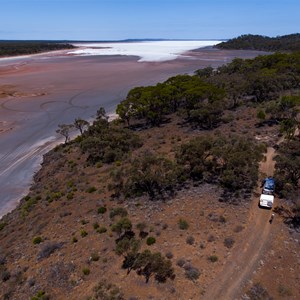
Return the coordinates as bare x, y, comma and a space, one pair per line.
41, 295
150, 240
257, 291
94, 256
101, 229
118, 211
229, 242
2, 225
84, 222
192, 273
91, 189
102, 210
74, 239
83, 233
107, 291
190, 240
86, 271
180, 262
213, 258
95, 225
37, 240
48, 249
183, 224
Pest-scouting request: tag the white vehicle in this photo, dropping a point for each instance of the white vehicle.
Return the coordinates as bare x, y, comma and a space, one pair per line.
266, 200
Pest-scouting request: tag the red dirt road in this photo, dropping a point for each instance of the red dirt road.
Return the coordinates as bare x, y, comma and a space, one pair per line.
245, 256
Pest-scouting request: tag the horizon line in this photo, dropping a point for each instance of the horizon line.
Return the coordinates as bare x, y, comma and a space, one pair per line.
107, 41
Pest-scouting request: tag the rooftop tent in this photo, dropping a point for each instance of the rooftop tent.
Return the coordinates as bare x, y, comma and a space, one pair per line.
269, 183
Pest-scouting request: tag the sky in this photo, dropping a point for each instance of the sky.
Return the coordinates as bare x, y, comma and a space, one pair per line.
130, 19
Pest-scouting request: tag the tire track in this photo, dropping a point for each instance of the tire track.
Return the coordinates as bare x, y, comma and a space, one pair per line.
246, 255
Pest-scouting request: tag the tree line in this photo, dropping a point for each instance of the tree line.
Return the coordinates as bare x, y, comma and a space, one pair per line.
201, 99
11, 48
260, 79
289, 42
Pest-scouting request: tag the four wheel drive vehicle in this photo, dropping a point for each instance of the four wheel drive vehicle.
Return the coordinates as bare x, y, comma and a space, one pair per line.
268, 186
266, 200
267, 197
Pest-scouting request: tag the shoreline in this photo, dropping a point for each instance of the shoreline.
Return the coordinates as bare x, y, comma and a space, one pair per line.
102, 81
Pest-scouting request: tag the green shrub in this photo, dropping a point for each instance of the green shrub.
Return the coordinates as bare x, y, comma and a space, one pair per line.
213, 258
94, 256
118, 211
261, 115
149, 174
41, 295
107, 291
86, 271
183, 224
99, 165
83, 233
95, 225
28, 205
91, 189
150, 240
101, 230
37, 240
54, 196
70, 196
122, 226
74, 239
2, 225
70, 184
102, 210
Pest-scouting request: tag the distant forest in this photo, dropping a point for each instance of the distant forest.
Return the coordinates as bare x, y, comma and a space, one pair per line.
11, 48
289, 42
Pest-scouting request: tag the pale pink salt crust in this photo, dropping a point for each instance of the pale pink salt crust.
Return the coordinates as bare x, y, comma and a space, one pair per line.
57, 72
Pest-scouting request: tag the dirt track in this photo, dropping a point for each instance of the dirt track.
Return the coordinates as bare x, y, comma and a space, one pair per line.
245, 256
